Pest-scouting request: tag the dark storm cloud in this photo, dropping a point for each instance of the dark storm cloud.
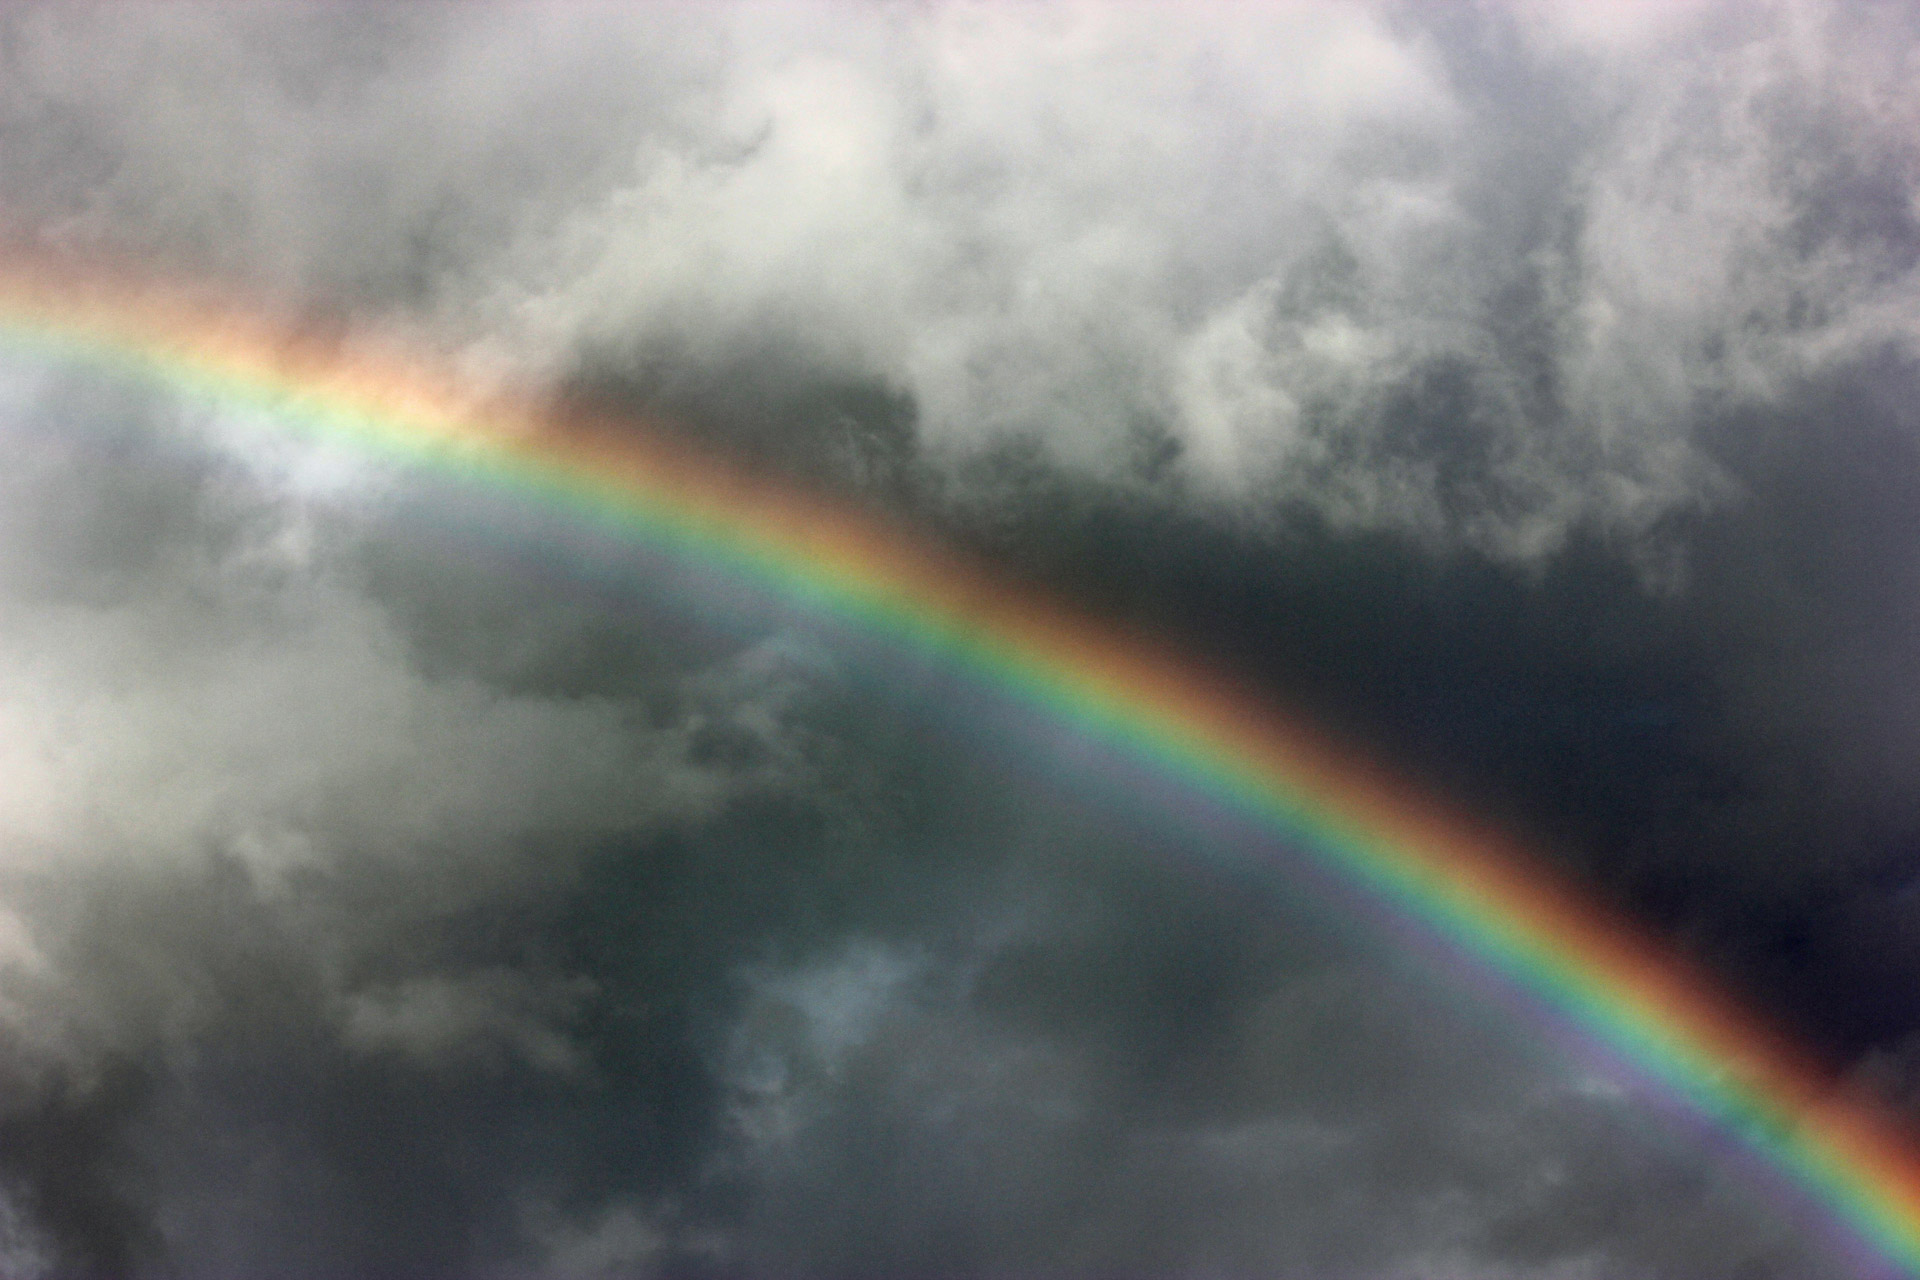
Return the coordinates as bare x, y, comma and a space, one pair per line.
1731, 757
1526, 390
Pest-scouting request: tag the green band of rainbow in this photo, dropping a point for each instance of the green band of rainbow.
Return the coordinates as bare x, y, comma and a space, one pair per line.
1483, 897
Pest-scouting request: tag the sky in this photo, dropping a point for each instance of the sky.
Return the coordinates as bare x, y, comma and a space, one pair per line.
394, 883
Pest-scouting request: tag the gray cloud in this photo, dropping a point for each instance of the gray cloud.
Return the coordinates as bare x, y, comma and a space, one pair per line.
1524, 388
1470, 274
237, 801
1337, 1126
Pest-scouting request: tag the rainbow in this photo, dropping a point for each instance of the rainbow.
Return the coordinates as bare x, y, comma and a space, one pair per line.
1465, 888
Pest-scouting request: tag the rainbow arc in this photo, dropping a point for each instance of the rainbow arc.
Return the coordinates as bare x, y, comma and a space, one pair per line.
1464, 888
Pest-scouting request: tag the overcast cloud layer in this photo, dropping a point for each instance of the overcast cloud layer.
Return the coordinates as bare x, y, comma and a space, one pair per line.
393, 884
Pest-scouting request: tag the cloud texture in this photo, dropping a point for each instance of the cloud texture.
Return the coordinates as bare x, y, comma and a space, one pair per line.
1527, 390
1472, 274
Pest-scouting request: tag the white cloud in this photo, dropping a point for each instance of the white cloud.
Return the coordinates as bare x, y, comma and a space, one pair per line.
1255, 229
1478, 272
190, 676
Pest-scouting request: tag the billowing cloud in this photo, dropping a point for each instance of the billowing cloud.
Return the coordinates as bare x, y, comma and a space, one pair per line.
1473, 274
1526, 390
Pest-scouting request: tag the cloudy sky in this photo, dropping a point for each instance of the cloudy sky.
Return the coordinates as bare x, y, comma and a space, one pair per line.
395, 884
